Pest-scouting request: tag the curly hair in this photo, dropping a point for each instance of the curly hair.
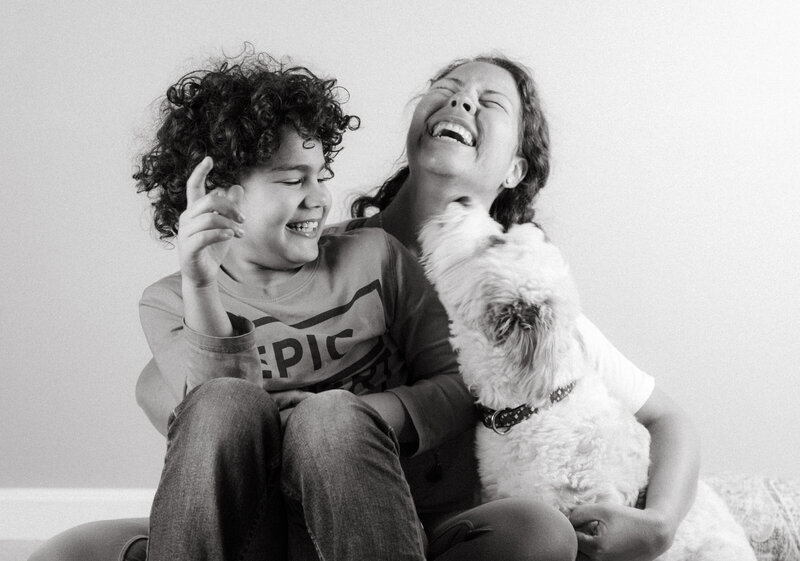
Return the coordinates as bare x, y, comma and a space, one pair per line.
234, 112
512, 206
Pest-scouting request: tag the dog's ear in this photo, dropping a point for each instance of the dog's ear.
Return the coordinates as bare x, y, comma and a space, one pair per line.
503, 319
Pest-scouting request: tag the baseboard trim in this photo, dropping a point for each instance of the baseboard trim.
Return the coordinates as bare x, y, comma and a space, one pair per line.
40, 513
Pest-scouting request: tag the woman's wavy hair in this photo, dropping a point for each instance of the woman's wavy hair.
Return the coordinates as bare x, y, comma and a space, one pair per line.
512, 206
234, 112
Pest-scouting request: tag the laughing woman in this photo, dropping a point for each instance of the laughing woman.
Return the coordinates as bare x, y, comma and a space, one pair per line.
479, 131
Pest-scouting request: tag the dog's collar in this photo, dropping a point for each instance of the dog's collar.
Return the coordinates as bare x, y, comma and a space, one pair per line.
503, 420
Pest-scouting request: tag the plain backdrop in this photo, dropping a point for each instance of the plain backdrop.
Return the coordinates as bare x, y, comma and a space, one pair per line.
674, 194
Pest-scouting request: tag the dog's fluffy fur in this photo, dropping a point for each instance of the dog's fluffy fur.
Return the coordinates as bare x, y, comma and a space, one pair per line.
513, 308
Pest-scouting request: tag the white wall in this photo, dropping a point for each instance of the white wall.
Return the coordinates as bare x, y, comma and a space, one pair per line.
674, 193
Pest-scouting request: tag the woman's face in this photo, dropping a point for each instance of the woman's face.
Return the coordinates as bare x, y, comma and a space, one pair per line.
467, 127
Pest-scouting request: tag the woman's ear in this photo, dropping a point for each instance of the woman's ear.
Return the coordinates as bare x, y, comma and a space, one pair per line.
516, 171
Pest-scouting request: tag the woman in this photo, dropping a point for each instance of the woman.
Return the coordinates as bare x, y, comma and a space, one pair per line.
479, 131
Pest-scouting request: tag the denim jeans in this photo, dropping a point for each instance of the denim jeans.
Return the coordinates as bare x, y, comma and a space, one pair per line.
331, 488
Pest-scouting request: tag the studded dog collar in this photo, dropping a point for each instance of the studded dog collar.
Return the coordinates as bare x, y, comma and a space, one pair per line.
503, 420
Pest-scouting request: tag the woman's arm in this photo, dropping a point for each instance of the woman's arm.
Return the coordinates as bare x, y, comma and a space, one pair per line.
629, 534
626, 533
674, 460
391, 409
154, 396
434, 405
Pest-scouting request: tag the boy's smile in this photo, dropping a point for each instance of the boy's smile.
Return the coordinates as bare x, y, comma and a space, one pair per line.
306, 228
285, 204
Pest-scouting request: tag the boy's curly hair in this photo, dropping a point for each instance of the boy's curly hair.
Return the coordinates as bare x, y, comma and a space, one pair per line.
234, 113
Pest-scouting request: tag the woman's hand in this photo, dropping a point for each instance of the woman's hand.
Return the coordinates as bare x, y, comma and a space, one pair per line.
608, 532
287, 400
206, 227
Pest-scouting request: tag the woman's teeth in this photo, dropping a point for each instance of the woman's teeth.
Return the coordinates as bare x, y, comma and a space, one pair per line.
453, 132
305, 227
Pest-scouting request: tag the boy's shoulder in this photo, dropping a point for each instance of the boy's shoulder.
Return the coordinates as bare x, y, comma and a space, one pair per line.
170, 283
355, 231
343, 237
346, 226
166, 288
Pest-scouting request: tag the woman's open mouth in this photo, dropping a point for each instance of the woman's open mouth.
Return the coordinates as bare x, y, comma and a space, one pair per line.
452, 132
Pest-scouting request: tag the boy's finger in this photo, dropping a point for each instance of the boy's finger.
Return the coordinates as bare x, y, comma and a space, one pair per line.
289, 398
216, 204
210, 221
200, 240
235, 194
196, 184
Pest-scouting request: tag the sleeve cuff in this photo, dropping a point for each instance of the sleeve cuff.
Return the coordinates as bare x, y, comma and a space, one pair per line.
243, 338
440, 408
218, 357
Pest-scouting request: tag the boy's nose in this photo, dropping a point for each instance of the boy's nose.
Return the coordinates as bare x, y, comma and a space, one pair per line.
318, 195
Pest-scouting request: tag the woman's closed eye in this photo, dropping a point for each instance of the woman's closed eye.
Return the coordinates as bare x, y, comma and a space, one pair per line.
446, 90
491, 102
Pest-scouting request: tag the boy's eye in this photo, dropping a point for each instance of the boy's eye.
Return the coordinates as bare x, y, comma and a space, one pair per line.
292, 182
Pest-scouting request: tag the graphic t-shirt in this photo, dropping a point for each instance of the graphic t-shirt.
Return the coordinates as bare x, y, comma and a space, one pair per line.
361, 317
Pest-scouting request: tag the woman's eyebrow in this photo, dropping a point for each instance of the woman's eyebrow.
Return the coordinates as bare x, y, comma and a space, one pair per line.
461, 83
456, 80
495, 92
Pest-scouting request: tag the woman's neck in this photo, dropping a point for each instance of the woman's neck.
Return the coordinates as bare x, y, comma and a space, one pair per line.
413, 205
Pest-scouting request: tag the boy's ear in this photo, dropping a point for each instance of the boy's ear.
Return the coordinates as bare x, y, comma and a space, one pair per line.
516, 171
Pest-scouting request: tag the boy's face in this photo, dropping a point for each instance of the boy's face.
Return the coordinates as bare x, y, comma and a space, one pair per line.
285, 204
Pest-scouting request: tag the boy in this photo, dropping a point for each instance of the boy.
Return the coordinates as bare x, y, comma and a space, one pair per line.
265, 301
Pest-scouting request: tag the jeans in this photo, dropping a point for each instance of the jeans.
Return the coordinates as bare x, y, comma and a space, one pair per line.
331, 489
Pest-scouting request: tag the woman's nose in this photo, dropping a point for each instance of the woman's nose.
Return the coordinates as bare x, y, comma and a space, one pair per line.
462, 101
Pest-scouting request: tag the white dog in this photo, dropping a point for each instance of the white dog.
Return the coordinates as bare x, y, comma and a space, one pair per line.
552, 431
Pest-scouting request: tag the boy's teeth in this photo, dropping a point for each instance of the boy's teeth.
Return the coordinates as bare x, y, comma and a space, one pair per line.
306, 226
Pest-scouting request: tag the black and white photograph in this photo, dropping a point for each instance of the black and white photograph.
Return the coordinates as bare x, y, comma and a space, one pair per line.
400, 281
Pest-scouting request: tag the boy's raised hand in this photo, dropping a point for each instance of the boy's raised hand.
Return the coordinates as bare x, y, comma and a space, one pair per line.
206, 226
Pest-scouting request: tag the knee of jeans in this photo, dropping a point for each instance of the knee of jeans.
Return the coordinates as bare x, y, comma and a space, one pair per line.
224, 410
331, 424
